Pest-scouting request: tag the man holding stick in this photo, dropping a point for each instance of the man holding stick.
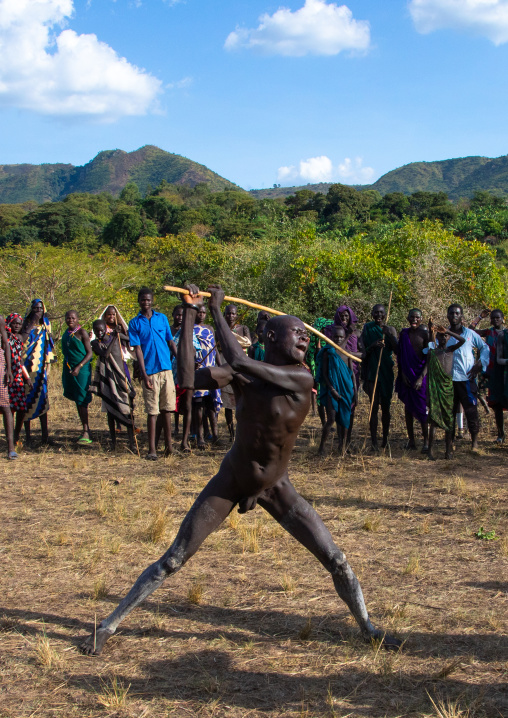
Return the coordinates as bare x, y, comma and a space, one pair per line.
379, 341
273, 398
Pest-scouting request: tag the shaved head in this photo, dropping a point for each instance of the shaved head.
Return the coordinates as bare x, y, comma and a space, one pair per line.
283, 321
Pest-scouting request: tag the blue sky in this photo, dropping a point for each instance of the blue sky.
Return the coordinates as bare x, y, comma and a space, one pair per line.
259, 91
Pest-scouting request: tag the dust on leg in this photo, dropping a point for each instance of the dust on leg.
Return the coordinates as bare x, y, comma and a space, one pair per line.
303, 523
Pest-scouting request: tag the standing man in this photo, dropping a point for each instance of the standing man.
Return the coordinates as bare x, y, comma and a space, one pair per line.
411, 384
376, 336
151, 338
465, 369
495, 372
243, 336
273, 401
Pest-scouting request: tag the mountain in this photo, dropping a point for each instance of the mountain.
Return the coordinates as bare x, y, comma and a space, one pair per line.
460, 177
109, 171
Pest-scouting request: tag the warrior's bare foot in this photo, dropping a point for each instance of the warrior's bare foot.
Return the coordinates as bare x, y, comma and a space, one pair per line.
431, 456
93, 645
389, 643
410, 446
425, 449
384, 443
448, 455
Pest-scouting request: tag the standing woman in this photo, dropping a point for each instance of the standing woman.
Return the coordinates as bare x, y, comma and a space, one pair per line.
37, 356
76, 370
495, 372
315, 345
116, 323
111, 315
20, 377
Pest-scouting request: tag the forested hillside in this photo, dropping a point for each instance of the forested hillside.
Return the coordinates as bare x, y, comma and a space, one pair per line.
109, 172
458, 178
301, 254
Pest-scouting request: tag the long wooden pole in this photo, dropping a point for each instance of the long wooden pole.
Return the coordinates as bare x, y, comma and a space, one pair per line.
260, 307
380, 356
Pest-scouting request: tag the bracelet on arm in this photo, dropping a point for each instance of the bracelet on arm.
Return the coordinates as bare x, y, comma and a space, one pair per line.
190, 306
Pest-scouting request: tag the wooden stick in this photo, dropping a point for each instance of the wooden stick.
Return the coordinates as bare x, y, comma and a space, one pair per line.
236, 300
380, 356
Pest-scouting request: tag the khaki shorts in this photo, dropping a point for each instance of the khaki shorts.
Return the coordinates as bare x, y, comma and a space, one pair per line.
163, 396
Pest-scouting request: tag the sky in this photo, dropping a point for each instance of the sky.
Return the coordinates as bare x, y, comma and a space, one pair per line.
261, 92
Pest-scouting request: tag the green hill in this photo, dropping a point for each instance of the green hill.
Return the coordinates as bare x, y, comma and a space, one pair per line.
455, 177
460, 177
109, 171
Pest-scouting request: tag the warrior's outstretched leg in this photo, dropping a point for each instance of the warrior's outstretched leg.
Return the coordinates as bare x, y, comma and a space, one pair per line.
208, 512
303, 523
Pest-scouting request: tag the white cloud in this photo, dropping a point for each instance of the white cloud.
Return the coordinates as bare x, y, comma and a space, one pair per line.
70, 74
318, 28
315, 169
354, 172
488, 18
180, 84
321, 169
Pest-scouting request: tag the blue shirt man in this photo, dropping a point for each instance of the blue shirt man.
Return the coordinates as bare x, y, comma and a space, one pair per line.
152, 335
465, 369
463, 358
151, 338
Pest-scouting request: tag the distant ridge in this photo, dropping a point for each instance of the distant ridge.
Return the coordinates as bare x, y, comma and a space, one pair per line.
460, 177
109, 171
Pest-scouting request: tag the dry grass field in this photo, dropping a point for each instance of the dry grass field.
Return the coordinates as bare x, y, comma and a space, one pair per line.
252, 625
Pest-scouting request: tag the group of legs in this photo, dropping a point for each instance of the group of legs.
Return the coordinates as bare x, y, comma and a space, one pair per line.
199, 420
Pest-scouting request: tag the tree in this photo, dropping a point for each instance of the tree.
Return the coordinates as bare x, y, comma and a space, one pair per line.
130, 194
393, 206
124, 229
345, 204
66, 279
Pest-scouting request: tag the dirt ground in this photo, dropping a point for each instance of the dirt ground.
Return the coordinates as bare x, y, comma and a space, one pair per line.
252, 625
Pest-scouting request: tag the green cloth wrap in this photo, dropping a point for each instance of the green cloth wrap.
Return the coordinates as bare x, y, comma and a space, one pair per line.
75, 387
341, 378
258, 351
440, 393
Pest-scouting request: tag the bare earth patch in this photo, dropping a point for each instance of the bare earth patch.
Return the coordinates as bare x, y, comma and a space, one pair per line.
252, 625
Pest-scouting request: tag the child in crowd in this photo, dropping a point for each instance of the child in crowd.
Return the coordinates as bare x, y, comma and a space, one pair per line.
257, 350
440, 385
76, 370
112, 381
338, 392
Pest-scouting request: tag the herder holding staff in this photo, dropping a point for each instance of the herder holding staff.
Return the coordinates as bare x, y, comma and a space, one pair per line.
273, 398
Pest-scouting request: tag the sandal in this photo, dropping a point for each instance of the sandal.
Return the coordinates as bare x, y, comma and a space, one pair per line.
12, 455
84, 440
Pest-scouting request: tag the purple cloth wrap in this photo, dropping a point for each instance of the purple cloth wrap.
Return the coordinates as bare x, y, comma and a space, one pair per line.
343, 308
411, 366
